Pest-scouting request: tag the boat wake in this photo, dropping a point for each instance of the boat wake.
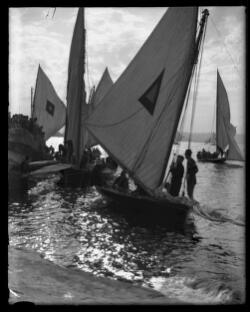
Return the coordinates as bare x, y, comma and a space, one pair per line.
195, 290
215, 215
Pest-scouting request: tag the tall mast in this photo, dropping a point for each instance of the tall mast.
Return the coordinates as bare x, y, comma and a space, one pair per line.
31, 102
83, 99
200, 37
205, 14
76, 88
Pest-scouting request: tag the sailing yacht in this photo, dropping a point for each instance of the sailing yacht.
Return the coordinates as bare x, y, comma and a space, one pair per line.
226, 145
28, 137
77, 111
136, 122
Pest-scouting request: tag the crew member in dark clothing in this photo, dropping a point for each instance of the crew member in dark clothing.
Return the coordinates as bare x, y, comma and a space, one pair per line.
121, 182
97, 177
139, 191
25, 165
192, 169
177, 171
69, 151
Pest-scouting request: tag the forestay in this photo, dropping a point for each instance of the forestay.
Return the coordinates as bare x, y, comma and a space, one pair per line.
76, 88
137, 120
225, 131
103, 87
49, 110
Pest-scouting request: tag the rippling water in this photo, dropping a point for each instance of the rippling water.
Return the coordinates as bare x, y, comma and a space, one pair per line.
205, 263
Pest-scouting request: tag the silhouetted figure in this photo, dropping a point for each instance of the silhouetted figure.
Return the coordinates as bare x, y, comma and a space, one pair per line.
69, 151
192, 169
61, 152
139, 191
121, 182
85, 159
25, 165
97, 176
111, 163
177, 171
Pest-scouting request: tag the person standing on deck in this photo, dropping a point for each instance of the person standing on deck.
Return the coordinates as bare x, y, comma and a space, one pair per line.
177, 171
192, 169
121, 183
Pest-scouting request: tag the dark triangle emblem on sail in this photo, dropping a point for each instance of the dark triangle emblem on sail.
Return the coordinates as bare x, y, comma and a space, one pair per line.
149, 98
50, 108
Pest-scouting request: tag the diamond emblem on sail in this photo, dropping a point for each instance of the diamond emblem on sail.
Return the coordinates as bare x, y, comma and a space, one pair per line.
50, 108
149, 98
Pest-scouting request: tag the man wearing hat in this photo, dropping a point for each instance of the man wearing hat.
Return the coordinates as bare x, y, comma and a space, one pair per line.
192, 169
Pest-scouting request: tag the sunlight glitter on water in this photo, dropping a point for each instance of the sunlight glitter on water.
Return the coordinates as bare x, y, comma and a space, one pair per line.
77, 229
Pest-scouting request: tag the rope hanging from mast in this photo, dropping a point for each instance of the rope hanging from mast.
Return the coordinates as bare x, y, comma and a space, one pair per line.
200, 43
199, 39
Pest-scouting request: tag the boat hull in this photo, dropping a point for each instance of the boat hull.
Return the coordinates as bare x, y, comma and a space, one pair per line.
85, 177
22, 143
213, 160
146, 210
17, 183
75, 178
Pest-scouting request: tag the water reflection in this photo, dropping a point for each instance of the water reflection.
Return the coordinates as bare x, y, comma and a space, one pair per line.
78, 228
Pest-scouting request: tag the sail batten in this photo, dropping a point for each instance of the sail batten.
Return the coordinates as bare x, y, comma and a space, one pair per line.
225, 131
140, 137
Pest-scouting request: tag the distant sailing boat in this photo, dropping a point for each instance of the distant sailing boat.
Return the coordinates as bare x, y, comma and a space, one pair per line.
226, 146
49, 112
136, 122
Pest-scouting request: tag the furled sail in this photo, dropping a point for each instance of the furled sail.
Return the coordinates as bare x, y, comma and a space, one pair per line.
103, 87
49, 110
76, 89
225, 131
137, 120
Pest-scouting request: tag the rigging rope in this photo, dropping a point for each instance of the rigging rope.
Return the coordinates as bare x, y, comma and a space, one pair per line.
213, 125
196, 87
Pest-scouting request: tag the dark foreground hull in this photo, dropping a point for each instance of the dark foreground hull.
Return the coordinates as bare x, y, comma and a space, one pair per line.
213, 160
144, 209
85, 177
17, 184
75, 178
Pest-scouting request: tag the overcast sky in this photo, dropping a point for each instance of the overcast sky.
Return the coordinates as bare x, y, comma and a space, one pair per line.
114, 35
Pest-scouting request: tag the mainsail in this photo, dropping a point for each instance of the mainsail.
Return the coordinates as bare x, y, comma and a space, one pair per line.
136, 121
47, 106
103, 87
225, 131
76, 89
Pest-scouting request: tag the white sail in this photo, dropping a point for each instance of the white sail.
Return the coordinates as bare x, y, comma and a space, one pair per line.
225, 131
76, 89
103, 87
136, 121
49, 110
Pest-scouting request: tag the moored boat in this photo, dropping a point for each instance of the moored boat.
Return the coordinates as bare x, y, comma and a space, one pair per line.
136, 122
224, 140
